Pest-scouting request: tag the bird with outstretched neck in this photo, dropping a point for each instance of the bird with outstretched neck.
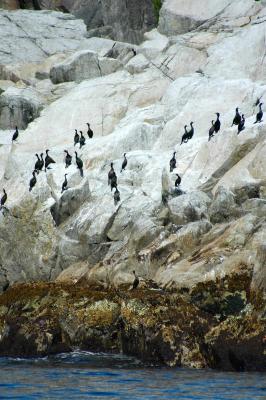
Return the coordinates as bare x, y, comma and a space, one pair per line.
48, 160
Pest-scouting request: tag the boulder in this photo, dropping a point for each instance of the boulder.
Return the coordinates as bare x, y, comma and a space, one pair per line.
83, 65
137, 64
19, 107
223, 207
188, 207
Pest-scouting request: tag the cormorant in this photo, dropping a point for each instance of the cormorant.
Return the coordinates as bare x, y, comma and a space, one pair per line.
136, 281
64, 185
39, 163
134, 52
211, 130
90, 131
113, 182
111, 173
185, 136
237, 118
15, 134
259, 115
241, 125
68, 159
3, 199
178, 180
79, 163
33, 180
82, 140
172, 162
191, 132
48, 160
124, 163
76, 137
217, 123
257, 102
116, 196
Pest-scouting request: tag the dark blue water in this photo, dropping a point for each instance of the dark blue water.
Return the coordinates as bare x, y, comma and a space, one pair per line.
82, 375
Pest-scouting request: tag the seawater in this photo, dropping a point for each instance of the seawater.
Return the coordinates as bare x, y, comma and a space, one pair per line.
83, 375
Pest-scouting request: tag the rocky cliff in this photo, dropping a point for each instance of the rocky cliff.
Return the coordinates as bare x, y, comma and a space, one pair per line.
194, 240
117, 19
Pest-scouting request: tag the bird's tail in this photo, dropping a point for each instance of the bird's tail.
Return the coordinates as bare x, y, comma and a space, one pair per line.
30, 189
81, 172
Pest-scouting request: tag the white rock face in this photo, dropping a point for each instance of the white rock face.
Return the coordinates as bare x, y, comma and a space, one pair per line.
176, 236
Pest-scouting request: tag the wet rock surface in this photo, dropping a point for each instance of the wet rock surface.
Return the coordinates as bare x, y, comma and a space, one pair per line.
186, 328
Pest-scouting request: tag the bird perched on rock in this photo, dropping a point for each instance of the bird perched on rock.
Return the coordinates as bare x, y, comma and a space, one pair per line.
33, 181
237, 118
124, 163
217, 123
191, 131
134, 52
82, 140
48, 160
76, 137
111, 173
136, 281
15, 134
185, 136
172, 162
178, 180
39, 163
259, 114
241, 125
3, 199
79, 163
116, 196
211, 131
64, 185
89, 131
68, 159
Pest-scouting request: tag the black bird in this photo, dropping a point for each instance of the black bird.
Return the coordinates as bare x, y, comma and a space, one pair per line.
64, 185
134, 52
178, 180
15, 134
111, 173
191, 131
33, 181
76, 137
241, 125
79, 163
89, 131
185, 136
48, 160
82, 140
116, 196
124, 163
257, 102
39, 163
113, 182
68, 159
217, 123
237, 118
3, 199
136, 281
259, 115
211, 130
172, 162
